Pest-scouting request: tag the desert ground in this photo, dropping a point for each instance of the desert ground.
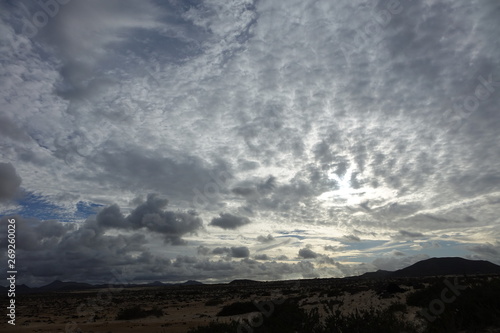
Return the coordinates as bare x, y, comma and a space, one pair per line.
180, 308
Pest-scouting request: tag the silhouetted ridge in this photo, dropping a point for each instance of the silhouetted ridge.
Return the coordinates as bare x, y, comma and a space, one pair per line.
447, 266
244, 281
376, 275
59, 286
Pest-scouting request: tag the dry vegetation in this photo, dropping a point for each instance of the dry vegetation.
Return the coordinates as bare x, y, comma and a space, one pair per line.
313, 306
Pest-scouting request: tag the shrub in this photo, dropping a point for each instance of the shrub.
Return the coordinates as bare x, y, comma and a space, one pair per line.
368, 321
214, 327
136, 312
475, 308
237, 308
214, 301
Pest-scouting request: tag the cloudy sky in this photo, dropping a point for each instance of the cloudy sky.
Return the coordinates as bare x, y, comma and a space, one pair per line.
214, 140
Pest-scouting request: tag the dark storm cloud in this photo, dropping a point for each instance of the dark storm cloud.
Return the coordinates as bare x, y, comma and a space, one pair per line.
234, 252
261, 257
229, 221
111, 217
152, 216
221, 250
36, 235
307, 253
53, 250
172, 225
240, 252
9, 181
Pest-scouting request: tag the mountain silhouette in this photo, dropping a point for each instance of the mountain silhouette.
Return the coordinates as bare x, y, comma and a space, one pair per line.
425, 268
447, 266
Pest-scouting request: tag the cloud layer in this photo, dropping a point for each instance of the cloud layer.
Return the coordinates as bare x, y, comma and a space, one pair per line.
362, 132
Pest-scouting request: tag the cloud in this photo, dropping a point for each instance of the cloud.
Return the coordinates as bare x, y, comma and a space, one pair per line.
332, 248
240, 252
352, 238
53, 250
9, 129
488, 249
229, 221
282, 113
261, 257
397, 262
244, 191
221, 250
265, 239
307, 253
202, 250
9, 181
268, 185
409, 234
152, 216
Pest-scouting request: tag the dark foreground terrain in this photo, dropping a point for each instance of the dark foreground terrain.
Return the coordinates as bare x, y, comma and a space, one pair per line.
363, 304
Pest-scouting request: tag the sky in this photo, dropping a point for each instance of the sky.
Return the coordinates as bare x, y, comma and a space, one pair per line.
218, 140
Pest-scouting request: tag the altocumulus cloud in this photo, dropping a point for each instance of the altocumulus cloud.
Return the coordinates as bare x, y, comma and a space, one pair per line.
378, 118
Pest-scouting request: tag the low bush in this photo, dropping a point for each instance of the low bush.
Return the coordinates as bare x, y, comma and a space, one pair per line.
237, 308
136, 312
214, 301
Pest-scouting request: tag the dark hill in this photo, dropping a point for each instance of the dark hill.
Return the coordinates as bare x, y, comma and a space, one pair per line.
380, 274
191, 283
447, 266
244, 281
65, 286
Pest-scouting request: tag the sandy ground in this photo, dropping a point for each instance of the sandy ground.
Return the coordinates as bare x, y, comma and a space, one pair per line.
185, 307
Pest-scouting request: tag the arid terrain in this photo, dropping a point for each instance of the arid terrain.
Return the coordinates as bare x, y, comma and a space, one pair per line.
254, 304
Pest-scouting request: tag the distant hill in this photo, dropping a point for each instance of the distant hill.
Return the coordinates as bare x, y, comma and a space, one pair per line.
447, 266
65, 286
428, 267
436, 267
191, 283
244, 281
58, 285
375, 275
